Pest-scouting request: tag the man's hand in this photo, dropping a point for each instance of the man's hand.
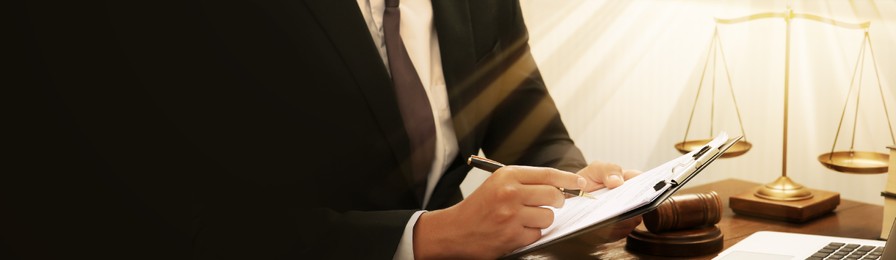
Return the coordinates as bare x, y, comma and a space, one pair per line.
503, 214
601, 174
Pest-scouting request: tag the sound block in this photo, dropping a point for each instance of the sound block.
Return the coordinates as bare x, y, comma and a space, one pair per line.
822, 202
681, 243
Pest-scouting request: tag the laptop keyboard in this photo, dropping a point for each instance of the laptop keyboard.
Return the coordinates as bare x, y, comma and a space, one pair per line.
848, 251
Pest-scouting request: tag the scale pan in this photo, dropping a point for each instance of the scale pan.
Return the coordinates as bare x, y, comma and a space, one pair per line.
737, 149
855, 162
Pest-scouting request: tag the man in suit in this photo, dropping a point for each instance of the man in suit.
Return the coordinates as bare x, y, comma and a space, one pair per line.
285, 121
356, 195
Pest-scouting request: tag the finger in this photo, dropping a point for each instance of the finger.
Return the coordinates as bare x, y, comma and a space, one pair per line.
548, 176
542, 195
603, 174
628, 174
536, 217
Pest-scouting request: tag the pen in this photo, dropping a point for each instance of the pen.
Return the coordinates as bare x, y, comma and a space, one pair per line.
490, 165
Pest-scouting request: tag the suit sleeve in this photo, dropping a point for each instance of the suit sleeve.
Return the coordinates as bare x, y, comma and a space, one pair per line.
525, 127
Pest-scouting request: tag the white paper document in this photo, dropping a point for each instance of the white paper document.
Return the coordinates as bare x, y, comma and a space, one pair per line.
581, 212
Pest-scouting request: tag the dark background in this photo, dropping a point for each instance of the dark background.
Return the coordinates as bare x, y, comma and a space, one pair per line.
70, 101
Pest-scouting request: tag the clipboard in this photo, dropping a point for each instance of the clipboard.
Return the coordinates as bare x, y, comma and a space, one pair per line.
675, 184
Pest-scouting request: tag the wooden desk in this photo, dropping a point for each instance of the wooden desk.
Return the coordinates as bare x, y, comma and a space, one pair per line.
850, 219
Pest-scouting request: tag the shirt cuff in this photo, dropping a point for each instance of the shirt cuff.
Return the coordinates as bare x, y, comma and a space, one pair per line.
405, 249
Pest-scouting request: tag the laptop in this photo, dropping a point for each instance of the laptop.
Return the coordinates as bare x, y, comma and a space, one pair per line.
769, 245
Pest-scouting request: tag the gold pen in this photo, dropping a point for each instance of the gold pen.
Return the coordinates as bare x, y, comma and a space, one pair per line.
490, 165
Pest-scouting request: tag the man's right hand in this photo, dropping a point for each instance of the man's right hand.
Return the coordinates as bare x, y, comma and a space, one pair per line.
503, 214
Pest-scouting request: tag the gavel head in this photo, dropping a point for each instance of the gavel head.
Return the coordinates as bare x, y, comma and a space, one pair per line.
685, 212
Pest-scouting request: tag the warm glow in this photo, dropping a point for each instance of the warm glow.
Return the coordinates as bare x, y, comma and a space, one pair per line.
624, 75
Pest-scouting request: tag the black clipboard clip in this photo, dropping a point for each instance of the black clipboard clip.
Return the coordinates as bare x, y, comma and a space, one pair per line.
688, 167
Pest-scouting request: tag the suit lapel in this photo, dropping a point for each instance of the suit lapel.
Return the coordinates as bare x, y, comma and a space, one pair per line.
454, 27
346, 29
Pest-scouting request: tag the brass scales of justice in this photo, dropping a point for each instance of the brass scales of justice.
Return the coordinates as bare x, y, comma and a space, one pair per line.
784, 199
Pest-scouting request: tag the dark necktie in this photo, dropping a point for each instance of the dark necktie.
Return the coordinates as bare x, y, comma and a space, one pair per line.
412, 100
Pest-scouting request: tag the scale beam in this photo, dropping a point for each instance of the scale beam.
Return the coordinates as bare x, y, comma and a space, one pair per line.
791, 15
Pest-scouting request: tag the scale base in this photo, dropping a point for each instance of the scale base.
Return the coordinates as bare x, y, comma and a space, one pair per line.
797, 211
680, 243
784, 189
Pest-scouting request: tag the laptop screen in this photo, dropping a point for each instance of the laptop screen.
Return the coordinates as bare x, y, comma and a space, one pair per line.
890, 250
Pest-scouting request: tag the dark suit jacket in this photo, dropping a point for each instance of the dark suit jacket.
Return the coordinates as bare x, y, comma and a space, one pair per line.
271, 125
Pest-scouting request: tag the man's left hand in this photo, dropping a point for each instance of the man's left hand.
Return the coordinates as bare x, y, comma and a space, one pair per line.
602, 174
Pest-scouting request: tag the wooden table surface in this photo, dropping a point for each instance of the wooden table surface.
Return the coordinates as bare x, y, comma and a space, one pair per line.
850, 219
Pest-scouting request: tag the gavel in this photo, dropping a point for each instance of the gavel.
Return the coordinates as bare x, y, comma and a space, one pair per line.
685, 212
681, 226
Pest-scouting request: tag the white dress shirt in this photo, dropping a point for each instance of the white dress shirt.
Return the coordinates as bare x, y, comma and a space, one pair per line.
419, 36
